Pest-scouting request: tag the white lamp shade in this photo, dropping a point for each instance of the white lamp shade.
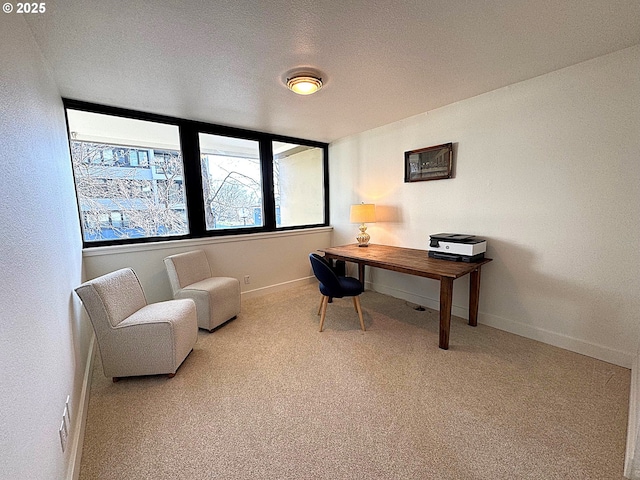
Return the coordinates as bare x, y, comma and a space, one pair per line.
363, 213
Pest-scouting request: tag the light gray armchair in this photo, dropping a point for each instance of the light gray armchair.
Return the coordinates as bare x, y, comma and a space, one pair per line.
217, 298
136, 338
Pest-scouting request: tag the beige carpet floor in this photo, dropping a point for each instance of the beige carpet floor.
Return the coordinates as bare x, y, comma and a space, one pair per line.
269, 397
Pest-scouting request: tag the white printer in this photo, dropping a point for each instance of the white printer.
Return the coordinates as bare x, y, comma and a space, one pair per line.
457, 247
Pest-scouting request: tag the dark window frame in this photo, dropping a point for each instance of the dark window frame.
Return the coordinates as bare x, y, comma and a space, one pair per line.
190, 147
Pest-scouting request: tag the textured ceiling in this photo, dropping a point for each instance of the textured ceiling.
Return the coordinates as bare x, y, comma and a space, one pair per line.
225, 61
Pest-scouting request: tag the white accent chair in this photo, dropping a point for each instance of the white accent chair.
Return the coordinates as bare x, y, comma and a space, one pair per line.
217, 298
134, 337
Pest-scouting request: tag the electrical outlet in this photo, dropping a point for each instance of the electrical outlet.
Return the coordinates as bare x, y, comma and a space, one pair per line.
64, 434
68, 409
247, 280
65, 425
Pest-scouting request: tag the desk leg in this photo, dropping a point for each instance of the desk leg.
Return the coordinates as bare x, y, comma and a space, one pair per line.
474, 297
361, 273
446, 295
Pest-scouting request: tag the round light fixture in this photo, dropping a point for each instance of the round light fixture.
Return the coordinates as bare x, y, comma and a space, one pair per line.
304, 84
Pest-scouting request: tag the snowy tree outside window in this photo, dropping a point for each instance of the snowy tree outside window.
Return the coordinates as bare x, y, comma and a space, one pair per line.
231, 182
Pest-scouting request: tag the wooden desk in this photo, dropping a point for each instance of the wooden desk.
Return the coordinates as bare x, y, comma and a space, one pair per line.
417, 262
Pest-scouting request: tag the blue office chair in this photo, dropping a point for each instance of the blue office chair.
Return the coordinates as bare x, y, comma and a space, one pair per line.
334, 286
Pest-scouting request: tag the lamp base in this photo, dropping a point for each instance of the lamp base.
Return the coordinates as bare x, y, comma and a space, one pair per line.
363, 238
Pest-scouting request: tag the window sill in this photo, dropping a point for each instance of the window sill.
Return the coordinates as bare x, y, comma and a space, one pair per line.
173, 244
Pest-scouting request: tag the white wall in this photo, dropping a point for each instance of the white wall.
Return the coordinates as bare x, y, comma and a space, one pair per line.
43, 339
272, 261
548, 170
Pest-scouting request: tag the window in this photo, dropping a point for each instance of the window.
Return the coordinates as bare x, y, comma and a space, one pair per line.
231, 182
142, 177
298, 184
113, 183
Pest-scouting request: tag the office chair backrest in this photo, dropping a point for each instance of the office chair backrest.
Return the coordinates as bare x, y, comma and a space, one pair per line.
325, 275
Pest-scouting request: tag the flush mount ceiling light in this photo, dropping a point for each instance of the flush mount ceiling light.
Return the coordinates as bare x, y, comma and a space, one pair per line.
304, 83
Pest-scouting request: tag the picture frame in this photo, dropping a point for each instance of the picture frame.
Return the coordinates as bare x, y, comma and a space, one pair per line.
431, 163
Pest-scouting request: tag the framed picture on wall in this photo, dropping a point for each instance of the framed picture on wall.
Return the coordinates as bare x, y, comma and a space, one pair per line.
431, 163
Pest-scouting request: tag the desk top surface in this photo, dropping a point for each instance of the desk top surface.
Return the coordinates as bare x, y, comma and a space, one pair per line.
406, 260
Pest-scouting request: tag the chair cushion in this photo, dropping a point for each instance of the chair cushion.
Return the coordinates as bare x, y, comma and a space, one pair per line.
155, 339
217, 300
349, 287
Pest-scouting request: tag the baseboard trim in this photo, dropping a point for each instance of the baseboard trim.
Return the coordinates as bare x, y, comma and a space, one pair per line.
632, 422
80, 418
606, 354
259, 292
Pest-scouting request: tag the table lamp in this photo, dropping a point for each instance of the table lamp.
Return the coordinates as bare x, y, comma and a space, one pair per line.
363, 213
